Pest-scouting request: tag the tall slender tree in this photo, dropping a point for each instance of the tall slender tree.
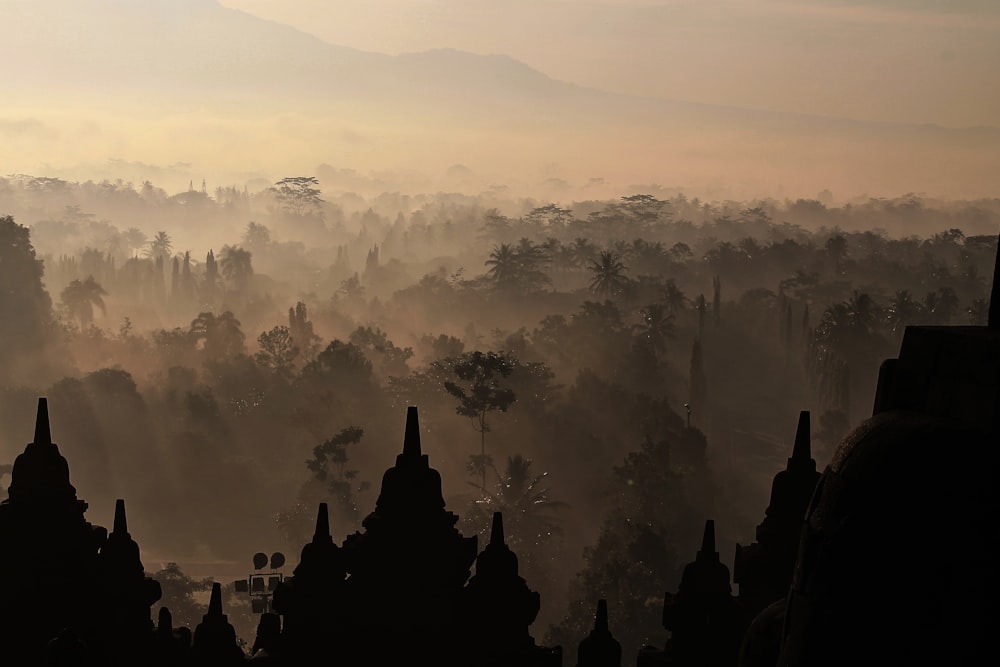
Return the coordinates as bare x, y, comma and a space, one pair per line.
481, 393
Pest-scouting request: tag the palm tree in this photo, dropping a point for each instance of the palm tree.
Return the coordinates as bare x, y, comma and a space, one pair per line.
846, 337
160, 246
80, 297
941, 306
504, 265
582, 252
221, 335
236, 266
525, 504
673, 297
609, 278
134, 238
902, 311
655, 327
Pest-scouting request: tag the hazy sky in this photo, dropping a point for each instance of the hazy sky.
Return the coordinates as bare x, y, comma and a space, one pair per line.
139, 89
924, 61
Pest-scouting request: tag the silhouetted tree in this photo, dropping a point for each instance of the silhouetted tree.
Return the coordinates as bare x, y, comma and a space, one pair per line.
700, 305
836, 250
697, 406
481, 394
134, 238
210, 287
182, 595
80, 297
517, 268
377, 346
220, 335
635, 557
609, 275
329, 467
656, 326
256, 235
301, 330
160, 246
940, 307
902, 311
299, 195
503, 265
716, 300
187, 279
673, 298
532, 525
277, 351
582, 252
175, 279
236, 266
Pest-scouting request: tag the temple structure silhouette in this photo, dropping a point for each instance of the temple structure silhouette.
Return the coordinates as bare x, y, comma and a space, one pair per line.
889, 556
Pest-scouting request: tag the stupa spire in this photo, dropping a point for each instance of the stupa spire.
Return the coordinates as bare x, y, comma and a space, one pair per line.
42, 433
322, 533
215, 603
121, 523
802, 451
601, 619
496, 533
708, 540
411, 439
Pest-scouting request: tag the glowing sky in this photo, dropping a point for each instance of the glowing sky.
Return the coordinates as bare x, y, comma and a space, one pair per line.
923, 61
118, 88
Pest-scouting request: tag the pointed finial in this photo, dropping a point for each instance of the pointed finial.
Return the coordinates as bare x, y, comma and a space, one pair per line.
411, 439
121, 525
165, 621
496, 534
708, 540
215, 603
802, 450
601, 620
322, 524
42, 432
994, 317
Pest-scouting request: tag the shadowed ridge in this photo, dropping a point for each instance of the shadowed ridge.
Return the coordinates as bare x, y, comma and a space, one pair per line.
994, 317
496, 532
708, 541
411, 439
322, 533
42, 433
121, 523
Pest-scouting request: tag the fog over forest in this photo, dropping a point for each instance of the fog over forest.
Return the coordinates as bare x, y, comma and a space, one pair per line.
610, 256
227, 358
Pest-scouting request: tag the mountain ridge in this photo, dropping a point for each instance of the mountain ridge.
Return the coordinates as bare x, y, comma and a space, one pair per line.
180, 48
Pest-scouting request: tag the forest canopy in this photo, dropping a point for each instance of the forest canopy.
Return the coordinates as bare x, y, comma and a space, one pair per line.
614, 372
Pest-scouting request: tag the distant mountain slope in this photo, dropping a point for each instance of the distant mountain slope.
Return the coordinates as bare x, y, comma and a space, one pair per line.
199, 45
118, 63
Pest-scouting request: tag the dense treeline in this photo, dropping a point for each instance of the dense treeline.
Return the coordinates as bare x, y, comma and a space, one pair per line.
609, 373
